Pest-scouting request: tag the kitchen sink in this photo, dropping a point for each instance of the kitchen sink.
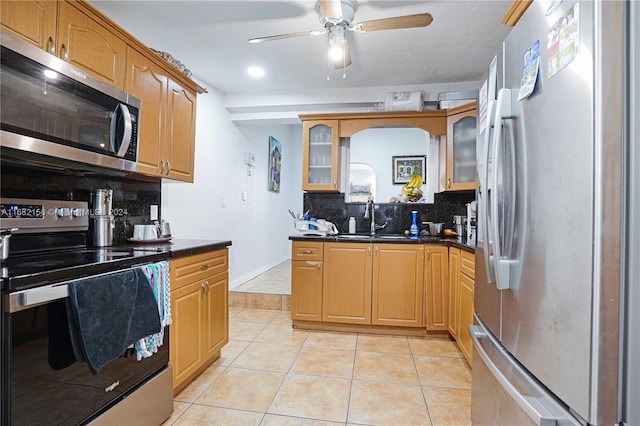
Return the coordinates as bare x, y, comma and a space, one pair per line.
391, 237
353, 237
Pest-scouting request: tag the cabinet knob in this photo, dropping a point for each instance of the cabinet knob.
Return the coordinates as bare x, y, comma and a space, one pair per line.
162, 166
64, 52
335, 184
306, 251
449, 183
205, 266
428, 254
168, 166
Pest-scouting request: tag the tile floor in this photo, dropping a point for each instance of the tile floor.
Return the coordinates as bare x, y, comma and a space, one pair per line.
276, 280
271, 374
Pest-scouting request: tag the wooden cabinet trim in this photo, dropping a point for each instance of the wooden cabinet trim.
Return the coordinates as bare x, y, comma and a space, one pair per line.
193, 268
515, 12
301, 250
468, 263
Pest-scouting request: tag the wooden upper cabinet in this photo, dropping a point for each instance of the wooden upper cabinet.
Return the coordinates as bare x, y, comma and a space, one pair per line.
461, 148
321, 156
34, 21
149, 83
179, 146
85, 43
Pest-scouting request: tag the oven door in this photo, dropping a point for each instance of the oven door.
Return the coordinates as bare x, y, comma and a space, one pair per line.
41, 381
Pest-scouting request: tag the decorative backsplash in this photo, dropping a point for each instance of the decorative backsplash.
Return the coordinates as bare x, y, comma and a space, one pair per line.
333, 208
131, 198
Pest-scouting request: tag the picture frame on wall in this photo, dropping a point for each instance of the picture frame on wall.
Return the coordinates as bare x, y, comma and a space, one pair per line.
404, 166
275, 164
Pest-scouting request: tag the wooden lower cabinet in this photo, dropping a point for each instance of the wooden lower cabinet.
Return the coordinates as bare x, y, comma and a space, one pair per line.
346, 283
454, 272
306, 281
398, 285
436, 272
200, 314
461, 279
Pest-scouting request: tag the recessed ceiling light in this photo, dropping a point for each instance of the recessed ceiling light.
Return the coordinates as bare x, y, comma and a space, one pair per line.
255, 71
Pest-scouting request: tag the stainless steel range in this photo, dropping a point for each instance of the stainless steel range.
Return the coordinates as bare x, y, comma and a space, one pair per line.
41, 381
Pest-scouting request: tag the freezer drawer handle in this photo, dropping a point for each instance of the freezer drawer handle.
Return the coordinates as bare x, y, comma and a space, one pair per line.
530, 405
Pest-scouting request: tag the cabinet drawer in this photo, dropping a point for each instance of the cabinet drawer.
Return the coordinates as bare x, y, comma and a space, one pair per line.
468, 263
194, 268
302, 250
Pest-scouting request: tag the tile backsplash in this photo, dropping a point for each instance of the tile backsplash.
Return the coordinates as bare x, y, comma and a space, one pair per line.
131, 197
333, 208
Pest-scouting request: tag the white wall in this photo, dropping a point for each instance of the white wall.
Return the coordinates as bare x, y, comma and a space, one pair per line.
212, 207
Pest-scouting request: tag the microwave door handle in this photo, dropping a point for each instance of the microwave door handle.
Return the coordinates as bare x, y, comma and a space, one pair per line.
484, 195
123, 144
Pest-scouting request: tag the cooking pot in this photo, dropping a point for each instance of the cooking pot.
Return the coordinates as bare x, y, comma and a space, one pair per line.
436, 228
5, 234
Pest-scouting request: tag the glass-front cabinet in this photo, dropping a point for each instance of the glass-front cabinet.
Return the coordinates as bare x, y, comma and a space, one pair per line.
320, 158
461, 150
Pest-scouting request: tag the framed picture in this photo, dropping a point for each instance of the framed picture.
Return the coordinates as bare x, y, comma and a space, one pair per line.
404, 166
275, 164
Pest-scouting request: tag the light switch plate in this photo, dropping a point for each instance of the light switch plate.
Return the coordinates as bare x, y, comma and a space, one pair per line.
153, 212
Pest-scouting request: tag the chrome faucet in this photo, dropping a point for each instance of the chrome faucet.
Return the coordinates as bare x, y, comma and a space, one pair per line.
369, 213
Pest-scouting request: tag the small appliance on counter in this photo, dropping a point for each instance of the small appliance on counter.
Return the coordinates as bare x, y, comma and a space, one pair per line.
471, 222
102, 221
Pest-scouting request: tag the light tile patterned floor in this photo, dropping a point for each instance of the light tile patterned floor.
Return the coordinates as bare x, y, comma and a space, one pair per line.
276, 280
271, 374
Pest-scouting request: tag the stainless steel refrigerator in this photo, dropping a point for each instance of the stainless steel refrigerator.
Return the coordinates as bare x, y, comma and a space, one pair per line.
557, 304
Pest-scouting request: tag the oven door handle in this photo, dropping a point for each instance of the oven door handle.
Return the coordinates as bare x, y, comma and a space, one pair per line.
26, 299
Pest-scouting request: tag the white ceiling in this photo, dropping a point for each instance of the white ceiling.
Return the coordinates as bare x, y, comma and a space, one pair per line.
210, 38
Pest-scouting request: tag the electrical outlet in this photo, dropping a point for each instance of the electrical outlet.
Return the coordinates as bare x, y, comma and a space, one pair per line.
244, 195
153, 212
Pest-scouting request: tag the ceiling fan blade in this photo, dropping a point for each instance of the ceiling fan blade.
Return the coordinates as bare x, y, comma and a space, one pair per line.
347, 57
399, 22
290, 35
331, 9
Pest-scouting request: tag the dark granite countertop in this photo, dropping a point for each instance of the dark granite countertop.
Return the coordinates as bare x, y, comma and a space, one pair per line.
382, 238
181, 247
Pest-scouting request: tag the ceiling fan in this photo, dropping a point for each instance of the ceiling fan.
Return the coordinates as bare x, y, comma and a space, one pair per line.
336, 17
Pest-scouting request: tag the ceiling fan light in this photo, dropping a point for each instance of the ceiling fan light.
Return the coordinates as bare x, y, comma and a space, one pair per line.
336, 52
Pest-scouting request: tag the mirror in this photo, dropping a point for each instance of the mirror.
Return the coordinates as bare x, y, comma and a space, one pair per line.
375, 147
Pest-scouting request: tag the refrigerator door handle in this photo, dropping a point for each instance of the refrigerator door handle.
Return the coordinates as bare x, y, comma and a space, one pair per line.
501, 266
530, 405
484, 197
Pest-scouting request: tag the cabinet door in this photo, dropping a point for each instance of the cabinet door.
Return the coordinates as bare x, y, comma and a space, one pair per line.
32, 20
85, 43
147, 82
398, 285
216, 326
454, 279
306, 290
180, 127
346, 283
320, 156
437, 285
461, 151
465, 315
187, 311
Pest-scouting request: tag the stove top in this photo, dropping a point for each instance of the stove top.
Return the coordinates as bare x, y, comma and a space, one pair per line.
33, 270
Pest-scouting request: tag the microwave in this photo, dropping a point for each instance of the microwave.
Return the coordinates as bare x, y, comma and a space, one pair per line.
54, 113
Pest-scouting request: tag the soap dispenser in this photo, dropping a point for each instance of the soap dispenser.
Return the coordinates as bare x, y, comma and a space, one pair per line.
413, 229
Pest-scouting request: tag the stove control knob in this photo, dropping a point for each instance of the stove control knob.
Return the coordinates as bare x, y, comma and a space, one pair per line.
63, 212
77, 212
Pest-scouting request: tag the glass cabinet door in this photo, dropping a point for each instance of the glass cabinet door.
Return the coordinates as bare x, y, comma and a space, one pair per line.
320, 169
461, 151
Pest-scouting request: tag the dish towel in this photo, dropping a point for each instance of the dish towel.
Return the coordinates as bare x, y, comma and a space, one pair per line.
108, 313
158, 276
